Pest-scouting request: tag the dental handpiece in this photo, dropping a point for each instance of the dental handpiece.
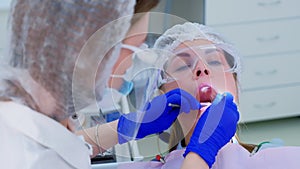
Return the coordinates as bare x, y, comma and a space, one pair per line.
202, 104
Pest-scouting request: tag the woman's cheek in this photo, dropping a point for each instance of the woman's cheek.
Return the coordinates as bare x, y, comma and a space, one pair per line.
189, 86
188, 120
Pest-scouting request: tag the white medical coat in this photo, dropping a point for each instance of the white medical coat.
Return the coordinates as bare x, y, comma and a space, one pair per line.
30, 140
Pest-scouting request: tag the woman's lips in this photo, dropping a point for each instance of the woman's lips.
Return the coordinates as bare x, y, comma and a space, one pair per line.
207, 93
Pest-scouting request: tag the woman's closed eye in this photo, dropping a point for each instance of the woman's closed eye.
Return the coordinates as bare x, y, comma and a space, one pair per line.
185, 61
184, 67
215, 63
215, 58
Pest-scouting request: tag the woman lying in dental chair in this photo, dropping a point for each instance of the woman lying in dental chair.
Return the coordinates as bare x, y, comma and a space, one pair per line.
200, 62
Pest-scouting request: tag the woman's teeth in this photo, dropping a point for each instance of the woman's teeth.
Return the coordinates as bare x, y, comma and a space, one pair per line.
204, 89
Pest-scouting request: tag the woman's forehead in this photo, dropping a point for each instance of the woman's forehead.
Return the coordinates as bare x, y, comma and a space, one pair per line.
198, 42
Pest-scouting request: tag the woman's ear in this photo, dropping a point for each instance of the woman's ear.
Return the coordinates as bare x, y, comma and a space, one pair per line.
169, 86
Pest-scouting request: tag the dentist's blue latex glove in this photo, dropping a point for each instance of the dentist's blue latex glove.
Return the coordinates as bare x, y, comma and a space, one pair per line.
214, 129
158, 116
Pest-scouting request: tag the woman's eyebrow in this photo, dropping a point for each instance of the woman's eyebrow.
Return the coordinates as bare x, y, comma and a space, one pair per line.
208, 51
183, 54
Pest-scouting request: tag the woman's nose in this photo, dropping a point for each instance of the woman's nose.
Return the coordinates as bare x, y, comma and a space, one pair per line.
201, 71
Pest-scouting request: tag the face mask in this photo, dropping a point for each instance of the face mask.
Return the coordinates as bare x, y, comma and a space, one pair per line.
127, 85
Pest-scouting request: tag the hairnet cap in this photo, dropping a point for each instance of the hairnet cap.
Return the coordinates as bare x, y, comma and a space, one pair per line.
186, 32
47, 38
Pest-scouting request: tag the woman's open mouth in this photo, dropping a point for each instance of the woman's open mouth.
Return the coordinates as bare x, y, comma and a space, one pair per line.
206, 93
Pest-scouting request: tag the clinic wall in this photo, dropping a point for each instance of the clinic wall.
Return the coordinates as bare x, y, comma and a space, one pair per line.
4, 10
191, 10
266, 35
177, 12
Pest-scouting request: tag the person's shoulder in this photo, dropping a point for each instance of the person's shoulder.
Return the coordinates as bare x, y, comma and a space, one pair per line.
10, 108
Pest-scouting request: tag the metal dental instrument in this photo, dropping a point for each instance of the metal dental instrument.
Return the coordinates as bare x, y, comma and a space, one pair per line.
173, 105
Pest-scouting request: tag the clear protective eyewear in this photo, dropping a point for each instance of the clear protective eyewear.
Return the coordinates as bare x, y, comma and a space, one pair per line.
186, 60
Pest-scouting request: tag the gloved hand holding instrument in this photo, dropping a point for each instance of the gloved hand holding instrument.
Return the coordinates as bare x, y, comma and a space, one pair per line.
159, 115
216, 126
